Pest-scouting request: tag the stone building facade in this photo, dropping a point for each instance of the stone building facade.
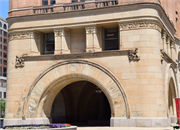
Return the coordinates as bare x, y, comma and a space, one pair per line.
93, 62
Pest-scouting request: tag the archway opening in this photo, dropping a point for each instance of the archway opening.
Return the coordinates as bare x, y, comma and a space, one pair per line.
83, 104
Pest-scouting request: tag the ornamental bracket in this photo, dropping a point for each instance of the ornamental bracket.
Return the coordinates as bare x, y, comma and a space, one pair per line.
19, 62
133, 56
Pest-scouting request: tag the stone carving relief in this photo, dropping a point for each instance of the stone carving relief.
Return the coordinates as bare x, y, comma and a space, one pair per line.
162, 55
133, 56
19, 62
139, 25
23, 35
93, 30
61, 32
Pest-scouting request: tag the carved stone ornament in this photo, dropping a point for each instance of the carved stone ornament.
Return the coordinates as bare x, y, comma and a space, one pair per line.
19, 62
163, 34
93, 30
140, 25
133, 56
162, 55
23, 35
61, 32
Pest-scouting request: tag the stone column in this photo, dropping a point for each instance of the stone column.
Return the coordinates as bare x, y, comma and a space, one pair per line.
62, 41
164, 40
35, 43
173, 51
93, 39
168, 45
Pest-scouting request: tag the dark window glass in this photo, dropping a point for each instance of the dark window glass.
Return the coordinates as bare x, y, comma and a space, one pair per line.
4, 71
111, 39
5, 41
5, 48
0, 32
5, 62
0, 54
53, 2
1, 46
0, 61
5, 55
0, 39
0, 70
83, 0
44, 2
5, 34
4, 83
4, 94
5, 27
74, 1
0, 24
0, 94
49, 43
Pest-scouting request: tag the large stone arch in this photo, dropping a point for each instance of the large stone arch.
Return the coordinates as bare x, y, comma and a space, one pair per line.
51, 81
171, 84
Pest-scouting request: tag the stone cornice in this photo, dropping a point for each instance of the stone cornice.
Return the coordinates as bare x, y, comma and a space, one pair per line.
93, 30
74, 56
23, 35
140, 24
168, 59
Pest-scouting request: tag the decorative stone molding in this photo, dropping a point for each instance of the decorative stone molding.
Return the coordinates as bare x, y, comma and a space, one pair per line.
19, 62
93, 30
23, 35
143, 24
81, 55
133, 56
167, 58
163, 34
61, 32
172, 45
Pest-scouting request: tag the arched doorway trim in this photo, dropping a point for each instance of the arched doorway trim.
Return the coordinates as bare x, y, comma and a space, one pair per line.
170, 76
74, 66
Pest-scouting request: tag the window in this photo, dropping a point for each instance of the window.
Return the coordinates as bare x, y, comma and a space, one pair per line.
5, 26
5, 34
1, 46
111, 39
0, 32
0, 94
0, 39
49, 43
0, 24
4, 83
5, 41
0, 61
53, 2
4, 94
4, 71
74, 1
4, 62
83, 0
5, 55
0, 54
44, 2
5, 48
0, 70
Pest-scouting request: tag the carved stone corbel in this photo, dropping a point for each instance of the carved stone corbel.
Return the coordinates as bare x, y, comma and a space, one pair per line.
19, 62
133, 56
162, 55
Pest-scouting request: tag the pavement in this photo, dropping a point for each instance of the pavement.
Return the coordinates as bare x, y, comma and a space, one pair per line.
125, 128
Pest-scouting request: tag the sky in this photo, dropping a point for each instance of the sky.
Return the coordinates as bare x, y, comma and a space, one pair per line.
4, 8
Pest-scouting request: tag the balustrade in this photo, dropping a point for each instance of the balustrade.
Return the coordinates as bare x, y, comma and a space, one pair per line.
106, 3
44, 10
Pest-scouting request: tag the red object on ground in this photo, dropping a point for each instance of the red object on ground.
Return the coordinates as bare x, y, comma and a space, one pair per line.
178, 108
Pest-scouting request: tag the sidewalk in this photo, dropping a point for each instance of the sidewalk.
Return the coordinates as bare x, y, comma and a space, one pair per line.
125, 128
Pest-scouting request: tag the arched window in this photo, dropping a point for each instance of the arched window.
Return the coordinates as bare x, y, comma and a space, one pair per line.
5, 27
0, 24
